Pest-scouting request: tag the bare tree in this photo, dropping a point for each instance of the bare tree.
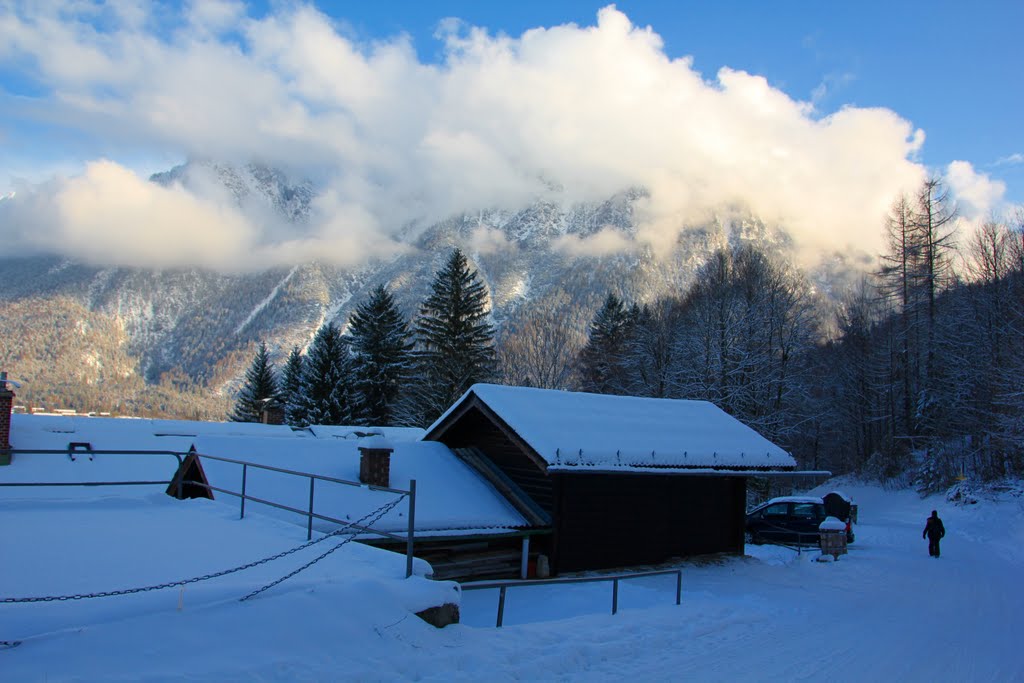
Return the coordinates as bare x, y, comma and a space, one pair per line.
541, 348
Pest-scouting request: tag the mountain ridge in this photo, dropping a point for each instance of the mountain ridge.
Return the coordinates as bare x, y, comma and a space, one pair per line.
202, 325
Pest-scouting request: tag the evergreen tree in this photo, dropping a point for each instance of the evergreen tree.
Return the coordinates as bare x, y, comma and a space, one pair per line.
456, 342
326, 393
291, 385
260, 386
382, 350
604, 358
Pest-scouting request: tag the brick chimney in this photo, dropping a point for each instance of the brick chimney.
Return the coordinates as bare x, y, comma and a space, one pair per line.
375, 461
6, 404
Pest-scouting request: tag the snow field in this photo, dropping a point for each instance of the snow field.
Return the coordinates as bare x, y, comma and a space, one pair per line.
886, 611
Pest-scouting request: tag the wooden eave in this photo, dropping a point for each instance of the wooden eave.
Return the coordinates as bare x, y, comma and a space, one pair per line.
474, 401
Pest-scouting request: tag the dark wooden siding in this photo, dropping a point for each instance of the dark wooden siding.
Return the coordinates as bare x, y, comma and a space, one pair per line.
605, 521
474, 429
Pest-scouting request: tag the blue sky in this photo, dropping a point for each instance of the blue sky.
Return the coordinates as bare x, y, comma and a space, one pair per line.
801, 111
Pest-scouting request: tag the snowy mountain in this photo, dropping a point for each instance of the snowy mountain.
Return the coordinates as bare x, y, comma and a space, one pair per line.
201, 325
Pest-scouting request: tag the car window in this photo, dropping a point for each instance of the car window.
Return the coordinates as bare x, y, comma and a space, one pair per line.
806, 510
777, 510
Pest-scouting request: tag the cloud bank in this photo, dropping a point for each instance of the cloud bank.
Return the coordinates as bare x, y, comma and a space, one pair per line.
497, 122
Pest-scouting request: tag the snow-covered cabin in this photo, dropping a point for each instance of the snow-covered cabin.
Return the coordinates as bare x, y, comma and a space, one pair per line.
505, 475
618, 480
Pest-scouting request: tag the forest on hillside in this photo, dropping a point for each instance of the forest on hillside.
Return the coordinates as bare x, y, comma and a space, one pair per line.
916, 373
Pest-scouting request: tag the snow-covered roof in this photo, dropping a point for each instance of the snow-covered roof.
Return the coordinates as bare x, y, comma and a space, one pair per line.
581, 431
451, 498
344, 432
793, 499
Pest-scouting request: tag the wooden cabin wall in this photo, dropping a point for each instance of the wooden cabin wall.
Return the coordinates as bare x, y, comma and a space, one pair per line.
474, 430
604, 521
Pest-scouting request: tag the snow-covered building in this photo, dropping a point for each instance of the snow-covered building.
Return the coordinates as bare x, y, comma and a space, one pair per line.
506, 475
617, 480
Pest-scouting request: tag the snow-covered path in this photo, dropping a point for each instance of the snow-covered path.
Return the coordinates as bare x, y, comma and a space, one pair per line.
887, 611
884, 612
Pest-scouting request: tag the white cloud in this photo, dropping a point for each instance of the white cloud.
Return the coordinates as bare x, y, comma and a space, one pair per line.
596, 109
1010, 160
110, 215
977, 195
487, 240
831, 84
604, 242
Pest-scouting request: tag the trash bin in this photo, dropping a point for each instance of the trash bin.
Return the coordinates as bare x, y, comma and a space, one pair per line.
832, 532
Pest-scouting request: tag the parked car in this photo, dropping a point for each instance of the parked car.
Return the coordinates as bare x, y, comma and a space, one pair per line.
794, 520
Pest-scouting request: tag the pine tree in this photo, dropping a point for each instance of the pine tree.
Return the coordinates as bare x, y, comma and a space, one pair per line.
260, 386
456, 341
604, 358
326, 393
291, 385
382, 352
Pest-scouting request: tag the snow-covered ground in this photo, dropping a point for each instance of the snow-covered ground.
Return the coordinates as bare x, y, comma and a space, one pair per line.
886, 611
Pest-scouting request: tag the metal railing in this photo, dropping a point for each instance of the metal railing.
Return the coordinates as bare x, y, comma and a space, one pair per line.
784, 535
73, 454
309, 513
504, 585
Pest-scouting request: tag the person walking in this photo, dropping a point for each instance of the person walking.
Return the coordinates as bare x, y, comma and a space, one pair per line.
934, 531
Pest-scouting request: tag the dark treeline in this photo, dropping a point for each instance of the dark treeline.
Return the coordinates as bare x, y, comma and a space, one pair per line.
918, 372
384, 370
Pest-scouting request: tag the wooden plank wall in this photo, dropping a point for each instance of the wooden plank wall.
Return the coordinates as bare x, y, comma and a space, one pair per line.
606, 521
474, 429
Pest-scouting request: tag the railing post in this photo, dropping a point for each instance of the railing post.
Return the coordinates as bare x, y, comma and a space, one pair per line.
410, 534
524, 563
501, 607
309, 526
615, 595
181, 486
245, 472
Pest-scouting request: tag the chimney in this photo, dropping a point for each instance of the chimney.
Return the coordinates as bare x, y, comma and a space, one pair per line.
271, 412
375, 461
6, 403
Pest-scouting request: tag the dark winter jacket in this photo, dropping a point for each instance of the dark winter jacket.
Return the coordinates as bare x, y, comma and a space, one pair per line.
934, 529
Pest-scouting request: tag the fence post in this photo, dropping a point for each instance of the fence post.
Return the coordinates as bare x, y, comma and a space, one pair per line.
615, 595
412, 529
309, 526
501, 607
679, 586
524, 563
245, 472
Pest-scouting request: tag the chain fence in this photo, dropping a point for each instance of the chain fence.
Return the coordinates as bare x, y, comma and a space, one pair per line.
372, 517
380, 512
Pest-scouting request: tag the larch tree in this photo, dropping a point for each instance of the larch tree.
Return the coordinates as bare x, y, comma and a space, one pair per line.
260, 387
455, 340
382, 345
540, 347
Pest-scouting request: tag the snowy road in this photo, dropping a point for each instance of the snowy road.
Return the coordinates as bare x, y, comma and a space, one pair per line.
886, 611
